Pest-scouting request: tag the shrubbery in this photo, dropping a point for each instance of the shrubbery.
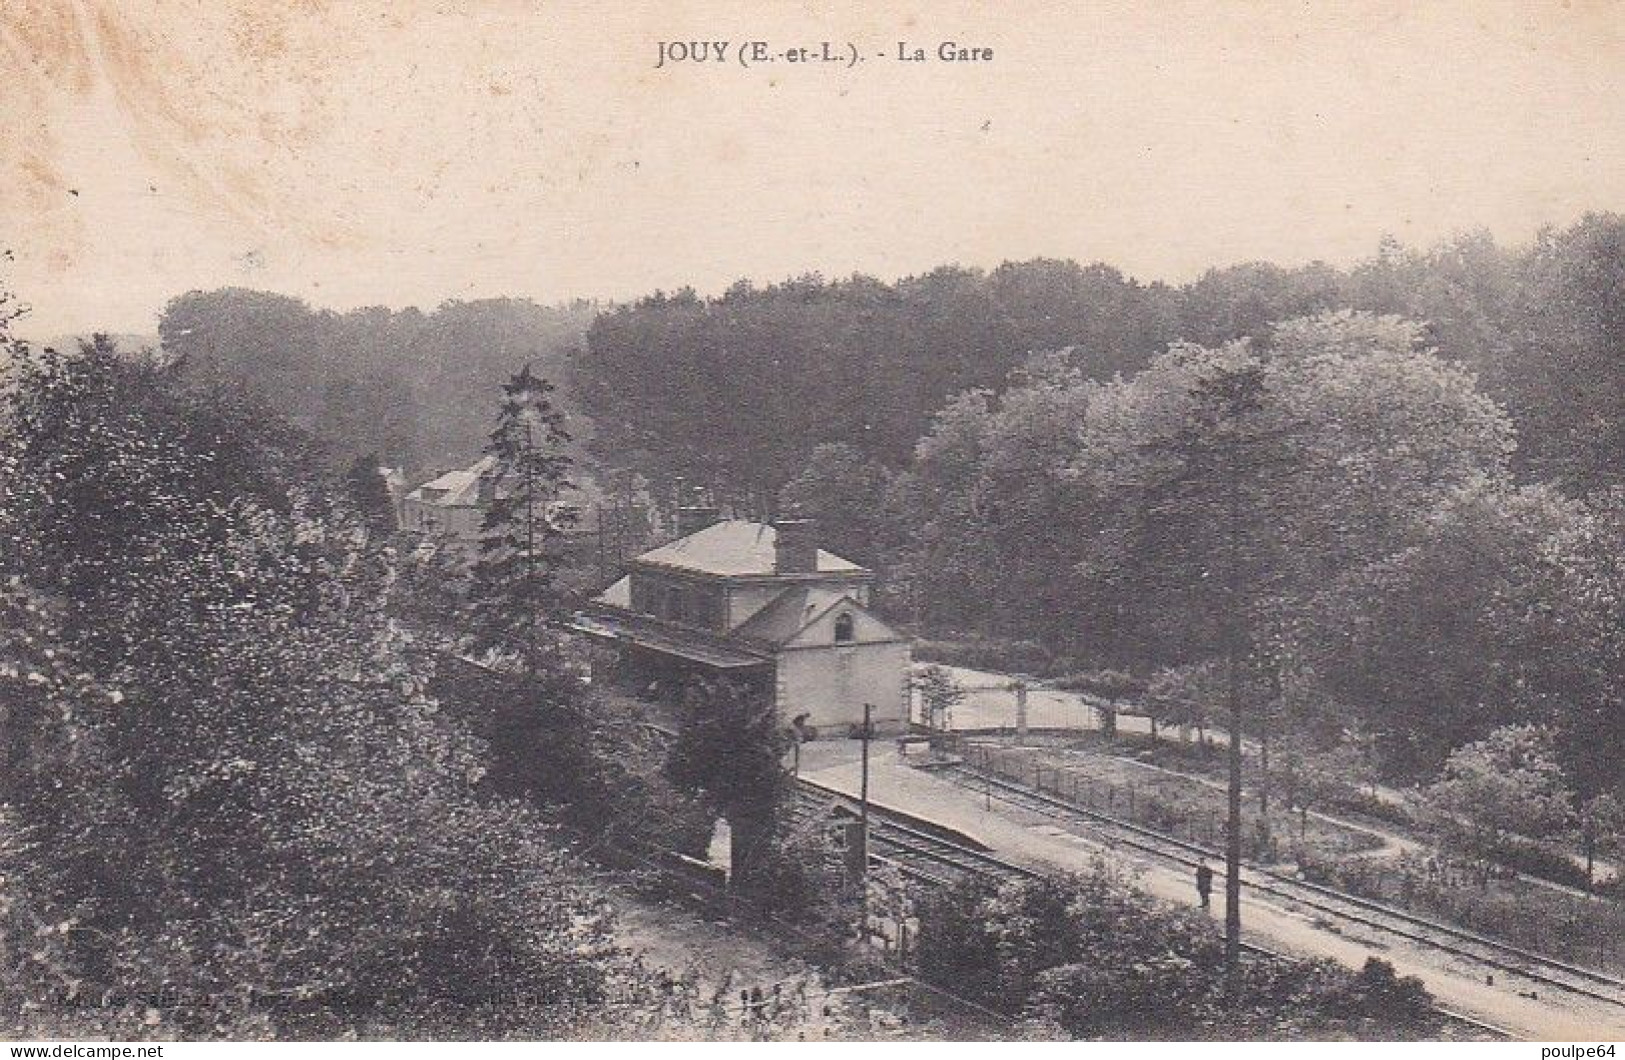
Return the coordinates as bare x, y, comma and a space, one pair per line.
1093, 956
232, 810
1482, 897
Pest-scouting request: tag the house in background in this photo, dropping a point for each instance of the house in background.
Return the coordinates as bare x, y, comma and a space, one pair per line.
603, 535
453, 503
759, 603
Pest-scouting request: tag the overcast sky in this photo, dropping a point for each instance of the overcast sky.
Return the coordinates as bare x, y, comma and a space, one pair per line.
408, 152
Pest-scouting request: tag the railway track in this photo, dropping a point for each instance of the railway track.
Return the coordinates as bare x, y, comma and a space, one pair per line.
917, 854
1324, 901
921, 854
937, 861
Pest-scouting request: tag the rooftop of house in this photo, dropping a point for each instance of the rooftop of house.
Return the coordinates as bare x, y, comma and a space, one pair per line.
590, 505
789, 613
454, 489
734, 548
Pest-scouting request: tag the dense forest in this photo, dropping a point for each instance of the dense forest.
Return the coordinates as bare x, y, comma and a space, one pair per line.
1037, 453
414, 387
1391, 488
735, 391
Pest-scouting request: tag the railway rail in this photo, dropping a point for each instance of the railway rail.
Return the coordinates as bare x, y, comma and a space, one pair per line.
920, 853
937, 861
931, 859
1536, 968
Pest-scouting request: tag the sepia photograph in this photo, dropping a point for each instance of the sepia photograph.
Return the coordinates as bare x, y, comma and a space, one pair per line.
1061, 521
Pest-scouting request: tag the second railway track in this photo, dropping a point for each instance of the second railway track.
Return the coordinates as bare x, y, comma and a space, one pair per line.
1324, 901
936, 861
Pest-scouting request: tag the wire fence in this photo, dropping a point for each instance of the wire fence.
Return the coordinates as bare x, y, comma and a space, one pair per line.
1145, 805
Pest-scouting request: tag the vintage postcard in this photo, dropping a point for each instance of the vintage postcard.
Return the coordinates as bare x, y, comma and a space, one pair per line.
783, 522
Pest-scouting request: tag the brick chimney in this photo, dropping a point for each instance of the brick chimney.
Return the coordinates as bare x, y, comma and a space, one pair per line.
795, 547
691, 519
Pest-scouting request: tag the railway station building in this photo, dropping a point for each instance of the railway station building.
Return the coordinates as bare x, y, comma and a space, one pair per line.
762, 604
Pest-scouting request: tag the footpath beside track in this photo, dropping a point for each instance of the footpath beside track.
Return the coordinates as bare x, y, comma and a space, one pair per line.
925, 857
1323, 901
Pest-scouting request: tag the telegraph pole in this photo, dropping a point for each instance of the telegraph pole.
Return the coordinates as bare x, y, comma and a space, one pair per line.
1234, 631
863, 791
1232, 839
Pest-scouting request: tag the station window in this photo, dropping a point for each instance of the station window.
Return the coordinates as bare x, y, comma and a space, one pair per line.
843, 628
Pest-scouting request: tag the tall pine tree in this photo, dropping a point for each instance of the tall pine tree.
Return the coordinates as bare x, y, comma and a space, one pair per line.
513, 595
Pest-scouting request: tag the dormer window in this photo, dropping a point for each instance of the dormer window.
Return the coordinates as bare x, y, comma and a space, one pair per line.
844, 628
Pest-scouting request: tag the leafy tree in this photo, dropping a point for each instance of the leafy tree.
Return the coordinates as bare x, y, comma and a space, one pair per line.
1386, 430
1110, 688
220, 757
954, 570
1500, 789
1211, 520
1496, 612
369, 493
939, 695
1569, 328
730, 750
1577, 633
1243, 301
850, 496
993, 482
1184, 696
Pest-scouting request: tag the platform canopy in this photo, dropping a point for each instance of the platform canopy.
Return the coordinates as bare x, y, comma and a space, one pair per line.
666, 641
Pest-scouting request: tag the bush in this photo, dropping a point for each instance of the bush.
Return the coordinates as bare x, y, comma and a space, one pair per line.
236, 804
580, 756
1542, 860
1377, 992
1093, 956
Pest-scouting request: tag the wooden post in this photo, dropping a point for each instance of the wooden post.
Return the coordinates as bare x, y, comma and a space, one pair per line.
1021, 711
603, 566
1232, 838
863, 795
